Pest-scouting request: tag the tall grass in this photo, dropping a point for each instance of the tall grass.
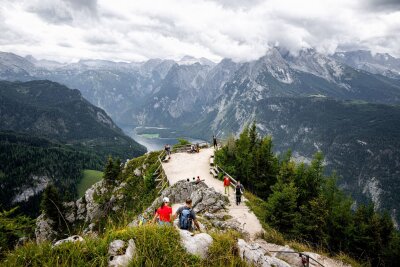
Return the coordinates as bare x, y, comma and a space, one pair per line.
155, 246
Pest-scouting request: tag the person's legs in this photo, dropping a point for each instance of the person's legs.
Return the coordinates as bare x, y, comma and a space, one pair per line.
225, 189
228, 189
237, 199
240, 199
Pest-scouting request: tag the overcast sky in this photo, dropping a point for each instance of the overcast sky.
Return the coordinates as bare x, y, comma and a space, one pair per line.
135, 30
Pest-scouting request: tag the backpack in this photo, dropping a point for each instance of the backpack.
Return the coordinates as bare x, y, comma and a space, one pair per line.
185, 222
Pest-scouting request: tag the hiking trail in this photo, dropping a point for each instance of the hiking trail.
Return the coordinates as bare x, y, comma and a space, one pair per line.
185, 165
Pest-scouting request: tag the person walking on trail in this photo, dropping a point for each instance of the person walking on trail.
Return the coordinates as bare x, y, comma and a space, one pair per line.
187, 217
239, 190
163, 213
215, 142
227, 184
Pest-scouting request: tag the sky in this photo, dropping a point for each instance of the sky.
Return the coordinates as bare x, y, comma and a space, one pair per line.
137, 30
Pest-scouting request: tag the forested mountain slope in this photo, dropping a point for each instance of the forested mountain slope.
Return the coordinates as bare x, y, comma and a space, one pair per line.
49, 134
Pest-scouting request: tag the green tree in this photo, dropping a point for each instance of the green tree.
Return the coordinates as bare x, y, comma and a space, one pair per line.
51, 205
109, 170
281, 207
13, 227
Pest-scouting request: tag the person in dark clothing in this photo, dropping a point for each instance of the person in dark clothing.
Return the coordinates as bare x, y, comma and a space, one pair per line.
215, 141
239, 190
187, 217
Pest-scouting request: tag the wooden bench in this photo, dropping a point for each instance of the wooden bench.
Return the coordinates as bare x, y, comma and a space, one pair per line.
214, 172
211, 161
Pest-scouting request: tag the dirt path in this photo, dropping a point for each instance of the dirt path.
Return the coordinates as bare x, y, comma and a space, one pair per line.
185, 165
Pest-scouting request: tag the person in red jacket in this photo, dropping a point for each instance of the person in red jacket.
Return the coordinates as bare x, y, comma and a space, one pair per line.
163, 213
227, 184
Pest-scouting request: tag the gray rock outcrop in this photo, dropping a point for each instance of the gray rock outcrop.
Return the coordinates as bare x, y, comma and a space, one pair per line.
71, 239
254, 254
196, 244
204, 199
44, 229
121, 253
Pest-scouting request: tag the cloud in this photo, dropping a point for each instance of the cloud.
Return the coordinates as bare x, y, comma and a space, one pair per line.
215, 29
383, 4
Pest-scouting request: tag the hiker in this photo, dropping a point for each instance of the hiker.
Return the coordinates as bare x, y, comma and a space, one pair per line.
227, 184
215, 142
163, 213
168, 149
187, 217
239, 190
197, 147
198, 180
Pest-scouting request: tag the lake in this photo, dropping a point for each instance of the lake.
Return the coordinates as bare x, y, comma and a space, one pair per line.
152, 141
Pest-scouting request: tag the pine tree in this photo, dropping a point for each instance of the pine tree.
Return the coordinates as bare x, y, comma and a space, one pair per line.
281, 207
109, 170
51, 205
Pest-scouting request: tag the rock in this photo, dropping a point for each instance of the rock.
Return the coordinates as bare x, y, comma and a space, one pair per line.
93, 210
71, 239
137, 172
70, 211
196, 244
254, 254
44, 229
80, 209
90, 230
117, 247
119, 256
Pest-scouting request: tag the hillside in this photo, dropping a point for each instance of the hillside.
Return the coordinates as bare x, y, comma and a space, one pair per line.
49, 134
109, 224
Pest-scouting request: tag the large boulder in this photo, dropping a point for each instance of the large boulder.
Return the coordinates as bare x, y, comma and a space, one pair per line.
196, 244
121, 253
204, 199
254, 254
44, 229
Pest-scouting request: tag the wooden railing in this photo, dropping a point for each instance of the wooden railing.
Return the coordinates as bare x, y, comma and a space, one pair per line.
161, 178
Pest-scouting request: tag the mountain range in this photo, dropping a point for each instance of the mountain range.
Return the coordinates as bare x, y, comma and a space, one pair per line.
345, 105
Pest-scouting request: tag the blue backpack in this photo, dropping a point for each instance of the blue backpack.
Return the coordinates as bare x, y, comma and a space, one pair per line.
185, 222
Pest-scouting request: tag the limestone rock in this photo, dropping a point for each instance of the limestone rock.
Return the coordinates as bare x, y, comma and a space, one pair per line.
253, 253
119, 256
71, 239
93, 209
117, 247
70, 211
137, 172
196, 244
44, 229
80, 209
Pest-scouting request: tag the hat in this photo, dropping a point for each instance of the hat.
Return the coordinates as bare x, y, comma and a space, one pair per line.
165, 199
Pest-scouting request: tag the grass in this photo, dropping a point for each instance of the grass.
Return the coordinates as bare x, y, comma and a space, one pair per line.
257, 205
155, 246
89, 178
